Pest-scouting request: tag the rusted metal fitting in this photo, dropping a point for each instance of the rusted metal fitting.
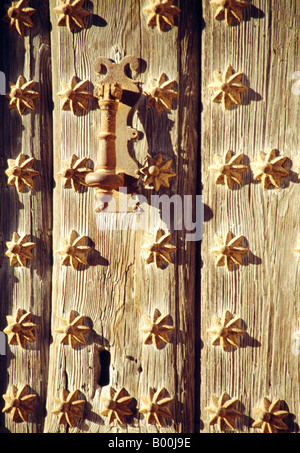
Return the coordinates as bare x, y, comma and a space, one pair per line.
116, 94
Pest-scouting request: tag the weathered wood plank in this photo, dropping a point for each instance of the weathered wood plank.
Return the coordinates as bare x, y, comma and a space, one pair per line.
264, 292
29, 212
117, 287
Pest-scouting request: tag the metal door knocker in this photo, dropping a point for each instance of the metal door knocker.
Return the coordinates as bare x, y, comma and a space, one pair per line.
117, 94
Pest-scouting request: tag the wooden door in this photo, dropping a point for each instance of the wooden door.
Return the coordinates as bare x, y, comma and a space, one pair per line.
108, 294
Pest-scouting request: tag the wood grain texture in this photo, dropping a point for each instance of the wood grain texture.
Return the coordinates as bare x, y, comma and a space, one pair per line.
117, 287
264, 292
29, 212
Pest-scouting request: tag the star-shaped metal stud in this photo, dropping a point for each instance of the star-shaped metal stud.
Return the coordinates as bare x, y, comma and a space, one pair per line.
229, 10
74, 172
161, 14
229, 169
156, 328
226, 331
72, 329
75, 95
19, 250
269, 169
116, 406
74, 250
270, 417
156, 172
159, 249
223, 411
160, 94
18, 15
229, 251
156, 406
228, 88
68, 407
20, 172
18, 403
20, 329
71, 14
21, 96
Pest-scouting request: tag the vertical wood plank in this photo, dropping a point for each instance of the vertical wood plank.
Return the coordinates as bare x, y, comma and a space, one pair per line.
29, 213
117, 287
264, 292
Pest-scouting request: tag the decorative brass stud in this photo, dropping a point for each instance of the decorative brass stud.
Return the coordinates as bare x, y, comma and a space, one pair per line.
68, 407
20, 172
18, 15
75, 94
19, 250
20, 329
116, 406
229, 169
74, 172
229, 251
223, 411
72, 329
156, 172
226, 331
269, 169
22, 95
18, 403
270, 417
228, 87
74, 250
159, 249
229, 10
161, 94
161, 14
156, 329
71, 14
156, 406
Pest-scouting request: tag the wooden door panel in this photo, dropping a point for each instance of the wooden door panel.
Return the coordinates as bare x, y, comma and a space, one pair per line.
29, 212
264, 292
117, 287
